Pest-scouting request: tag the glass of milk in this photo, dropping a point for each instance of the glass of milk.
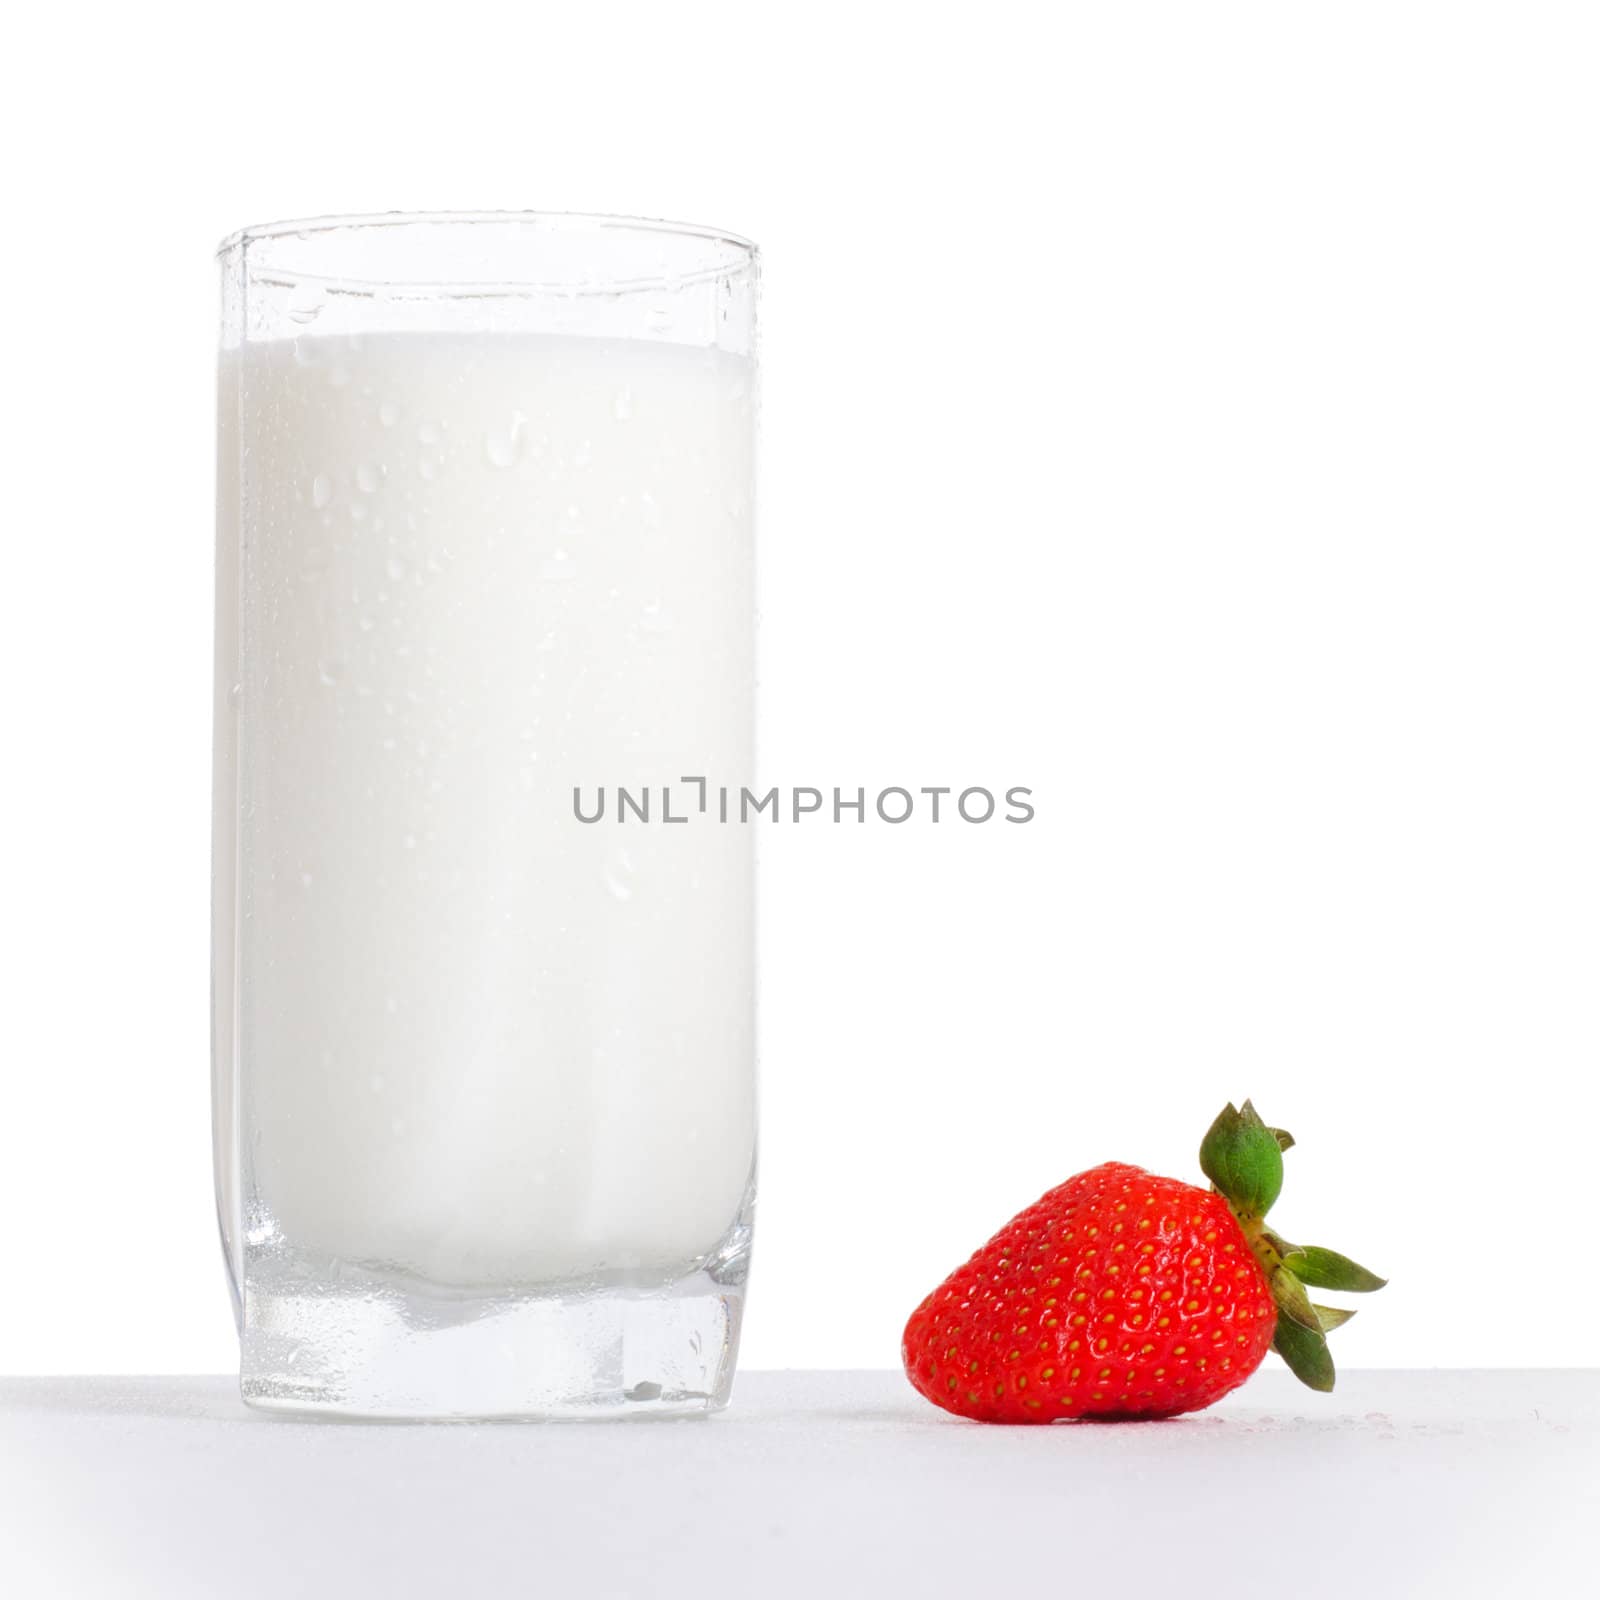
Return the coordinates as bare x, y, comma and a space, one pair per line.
484, 1072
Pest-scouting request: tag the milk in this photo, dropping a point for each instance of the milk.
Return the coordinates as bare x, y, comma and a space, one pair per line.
475, 1041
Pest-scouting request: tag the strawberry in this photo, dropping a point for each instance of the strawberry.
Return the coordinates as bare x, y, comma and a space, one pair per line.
1123, 1294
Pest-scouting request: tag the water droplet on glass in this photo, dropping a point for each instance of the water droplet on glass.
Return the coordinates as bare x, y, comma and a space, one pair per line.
649, 511
367, 478
618, 876
503, 446
654, 619
235, 694
622, 406
321, 491
427, 433
559, 568
330, 670
396, 569
388, 413
365, 624
305, 304
427, 469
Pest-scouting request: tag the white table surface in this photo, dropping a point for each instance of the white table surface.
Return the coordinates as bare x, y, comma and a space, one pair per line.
813, 1484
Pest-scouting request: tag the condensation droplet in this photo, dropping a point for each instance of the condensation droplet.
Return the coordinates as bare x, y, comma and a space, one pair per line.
427, 433
427, 468
367, 478
330, 670
622, 406
388, 413
618, 876
322, 491
503, 446
396, 569
649, 511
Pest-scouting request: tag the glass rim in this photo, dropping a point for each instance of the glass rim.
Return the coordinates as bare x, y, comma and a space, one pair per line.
743, 254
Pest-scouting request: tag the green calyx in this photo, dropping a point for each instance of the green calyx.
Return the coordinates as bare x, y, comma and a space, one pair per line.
1327, 1269
1243, 1158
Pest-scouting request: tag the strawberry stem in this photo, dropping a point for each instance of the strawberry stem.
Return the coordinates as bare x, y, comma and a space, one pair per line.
1243, 1158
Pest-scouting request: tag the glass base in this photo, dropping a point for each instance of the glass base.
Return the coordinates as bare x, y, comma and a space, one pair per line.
356, 1343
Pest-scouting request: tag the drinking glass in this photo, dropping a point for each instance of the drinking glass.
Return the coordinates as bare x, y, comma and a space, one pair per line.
484, 1070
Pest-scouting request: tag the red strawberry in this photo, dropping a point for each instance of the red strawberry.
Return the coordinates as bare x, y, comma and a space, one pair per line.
1121, 1294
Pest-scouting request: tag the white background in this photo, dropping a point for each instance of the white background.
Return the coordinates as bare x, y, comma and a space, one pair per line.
1190, 413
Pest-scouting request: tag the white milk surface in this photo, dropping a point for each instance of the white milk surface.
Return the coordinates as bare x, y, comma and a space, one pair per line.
479, 1041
